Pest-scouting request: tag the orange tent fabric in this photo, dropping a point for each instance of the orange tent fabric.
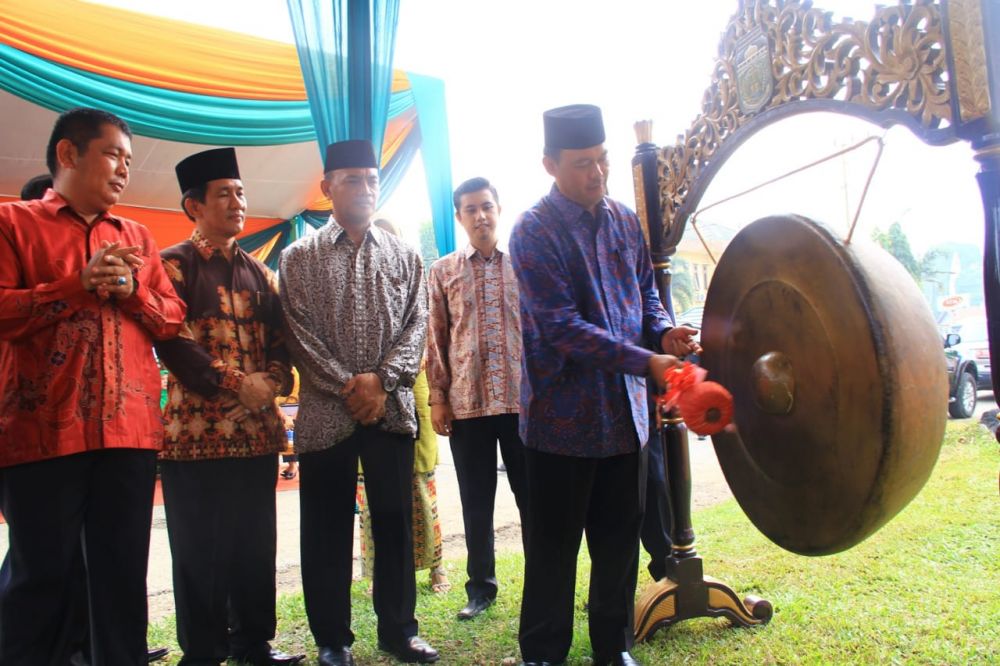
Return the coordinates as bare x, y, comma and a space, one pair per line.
202, 59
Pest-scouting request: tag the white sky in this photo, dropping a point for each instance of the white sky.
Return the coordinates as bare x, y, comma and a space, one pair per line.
505, 62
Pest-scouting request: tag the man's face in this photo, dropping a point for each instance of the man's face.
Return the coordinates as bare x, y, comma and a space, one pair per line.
224, 211
580, 174
478, 213
353, 193
99, 174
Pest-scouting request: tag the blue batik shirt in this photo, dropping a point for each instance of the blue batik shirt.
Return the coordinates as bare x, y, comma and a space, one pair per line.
590, 314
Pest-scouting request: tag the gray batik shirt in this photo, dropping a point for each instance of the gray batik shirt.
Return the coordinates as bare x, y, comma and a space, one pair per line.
349, 311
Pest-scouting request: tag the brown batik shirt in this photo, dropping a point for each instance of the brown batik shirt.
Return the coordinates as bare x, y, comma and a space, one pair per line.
233, 329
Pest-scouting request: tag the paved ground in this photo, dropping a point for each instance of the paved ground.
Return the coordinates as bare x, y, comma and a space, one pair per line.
709, 487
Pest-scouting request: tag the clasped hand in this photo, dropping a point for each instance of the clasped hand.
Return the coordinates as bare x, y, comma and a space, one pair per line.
365, 398
256, 394
109, 271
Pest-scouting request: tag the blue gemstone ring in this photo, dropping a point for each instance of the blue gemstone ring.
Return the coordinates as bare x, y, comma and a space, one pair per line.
122, 280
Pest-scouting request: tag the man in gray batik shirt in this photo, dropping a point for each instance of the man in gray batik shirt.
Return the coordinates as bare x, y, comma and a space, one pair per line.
355, 306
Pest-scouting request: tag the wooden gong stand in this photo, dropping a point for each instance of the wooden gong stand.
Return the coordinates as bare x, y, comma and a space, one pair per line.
933, 67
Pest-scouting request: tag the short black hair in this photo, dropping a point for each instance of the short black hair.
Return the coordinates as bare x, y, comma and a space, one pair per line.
196, 193
36, 187
554, 153
81, 126
473, 185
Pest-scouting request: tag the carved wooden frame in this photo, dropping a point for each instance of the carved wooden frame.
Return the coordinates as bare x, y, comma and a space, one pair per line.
920, 64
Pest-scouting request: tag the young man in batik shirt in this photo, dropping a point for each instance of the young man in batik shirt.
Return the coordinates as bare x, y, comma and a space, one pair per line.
474, 372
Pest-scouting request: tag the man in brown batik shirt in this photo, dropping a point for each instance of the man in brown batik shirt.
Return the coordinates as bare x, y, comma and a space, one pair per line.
219, 463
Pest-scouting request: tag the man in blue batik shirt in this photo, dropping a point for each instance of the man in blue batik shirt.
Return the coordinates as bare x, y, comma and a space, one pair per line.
590, 317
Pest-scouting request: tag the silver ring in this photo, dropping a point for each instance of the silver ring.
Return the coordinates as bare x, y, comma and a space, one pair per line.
122, 280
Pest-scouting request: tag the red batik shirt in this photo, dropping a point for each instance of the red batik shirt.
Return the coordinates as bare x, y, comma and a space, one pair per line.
77, 372
233, 329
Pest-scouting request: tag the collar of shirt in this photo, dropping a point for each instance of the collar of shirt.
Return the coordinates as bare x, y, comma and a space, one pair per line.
470, 251
53, 202
206, 249
338, 232
573, 212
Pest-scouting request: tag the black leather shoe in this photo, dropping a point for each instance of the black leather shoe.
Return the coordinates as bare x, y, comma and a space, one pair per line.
330, 656
475, 607
620, 659
156, 654
414, 650
268, 658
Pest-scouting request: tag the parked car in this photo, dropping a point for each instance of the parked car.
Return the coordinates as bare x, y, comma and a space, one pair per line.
967, 354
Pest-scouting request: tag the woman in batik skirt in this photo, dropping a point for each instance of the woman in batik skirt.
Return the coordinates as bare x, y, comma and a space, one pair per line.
426, 525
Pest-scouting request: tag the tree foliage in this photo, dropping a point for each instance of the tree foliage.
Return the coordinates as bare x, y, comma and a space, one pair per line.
896, 243
682, 289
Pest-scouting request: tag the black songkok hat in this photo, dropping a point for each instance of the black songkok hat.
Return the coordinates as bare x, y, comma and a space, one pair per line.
573, 127
198, 169
350, 154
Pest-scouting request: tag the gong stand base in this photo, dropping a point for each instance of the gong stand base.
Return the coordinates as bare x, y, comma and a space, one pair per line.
687, 593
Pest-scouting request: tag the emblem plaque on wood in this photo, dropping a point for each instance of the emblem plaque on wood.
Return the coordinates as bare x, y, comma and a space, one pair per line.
754, 82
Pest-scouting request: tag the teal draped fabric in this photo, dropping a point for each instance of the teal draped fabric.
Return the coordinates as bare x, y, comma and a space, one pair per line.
290, 230
428, 94
183, 117
345, 50
324, 66
384, 20
156, 112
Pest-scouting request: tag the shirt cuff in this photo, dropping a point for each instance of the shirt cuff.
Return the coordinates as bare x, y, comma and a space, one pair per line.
437, 397
139, 295
659, 329
232, 379
68, 290
636, 361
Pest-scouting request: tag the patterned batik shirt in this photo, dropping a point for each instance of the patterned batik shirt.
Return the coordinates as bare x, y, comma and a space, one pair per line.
351, 310
77, 371
590, 314
234, 328
474, 334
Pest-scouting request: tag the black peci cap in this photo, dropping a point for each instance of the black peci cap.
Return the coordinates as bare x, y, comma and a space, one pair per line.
573, 127
350, 154
198, 169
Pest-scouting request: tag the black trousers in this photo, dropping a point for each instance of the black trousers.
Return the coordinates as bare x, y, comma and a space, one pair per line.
100, 501
473, 448
568, 497
326, 496
658, 519
222, 530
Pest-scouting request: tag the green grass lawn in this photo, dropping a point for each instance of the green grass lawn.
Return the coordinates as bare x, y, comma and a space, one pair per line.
923, 590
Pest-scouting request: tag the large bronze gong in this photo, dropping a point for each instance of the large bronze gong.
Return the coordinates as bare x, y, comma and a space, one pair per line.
838, 378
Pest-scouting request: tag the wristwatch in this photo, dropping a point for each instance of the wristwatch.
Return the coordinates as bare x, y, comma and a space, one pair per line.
388, 383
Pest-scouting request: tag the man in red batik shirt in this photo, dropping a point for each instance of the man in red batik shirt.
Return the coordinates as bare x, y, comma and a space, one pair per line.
82, 296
